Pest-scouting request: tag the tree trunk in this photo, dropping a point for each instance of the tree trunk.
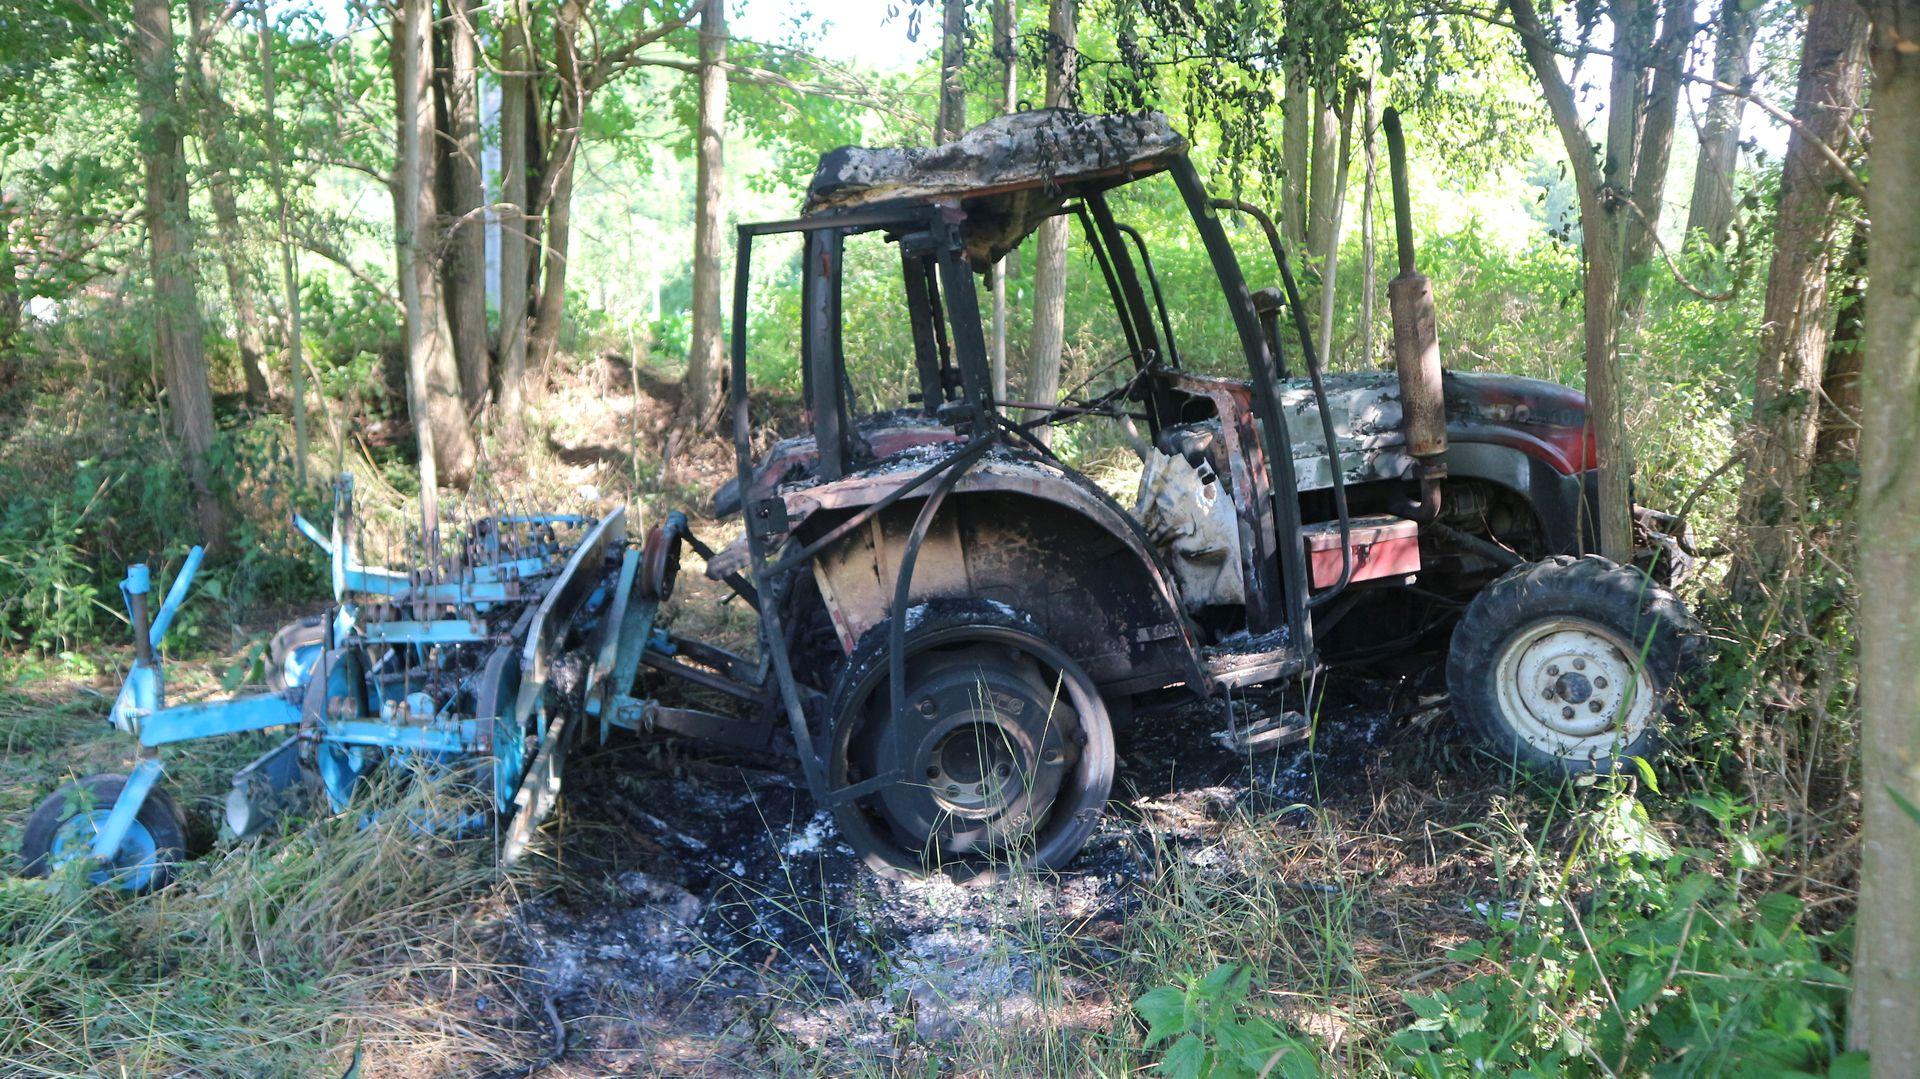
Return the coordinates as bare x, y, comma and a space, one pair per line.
1793, 334
9, 287
514, 86
1886, 969
177, 329
952, 120
212, 109
1600, 248
707, 357
556, 202
1711, 210
1006, 23
1655, 152
1050, 241
462, 192
1295, 150
1368, 297
1325, 148
1330, 251
1839, 438
433, 379
289, 276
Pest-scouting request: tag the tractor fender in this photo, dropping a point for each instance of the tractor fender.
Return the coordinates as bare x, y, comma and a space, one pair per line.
1016, 531
1562, 503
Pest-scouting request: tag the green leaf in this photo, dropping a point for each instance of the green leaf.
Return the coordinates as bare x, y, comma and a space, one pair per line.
1646, 773
1850, 1066
1185, 1059
1165, 1010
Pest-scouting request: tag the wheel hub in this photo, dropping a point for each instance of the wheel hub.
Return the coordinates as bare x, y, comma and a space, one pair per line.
1573, 687
984, 750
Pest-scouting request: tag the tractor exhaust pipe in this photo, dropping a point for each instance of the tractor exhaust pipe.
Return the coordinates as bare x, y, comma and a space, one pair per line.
1416, 343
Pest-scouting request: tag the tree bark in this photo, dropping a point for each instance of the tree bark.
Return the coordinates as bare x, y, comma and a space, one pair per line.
461, 193
952, 120
289, 276
1330, 251
1839, 438
555, 205
177, 328
212, 110
9, 287
1886, 969
1794, 331
515, 83
433, 379
1368, 297
1006, 23
707, 355
1050, 241
1710, 212
1325, 149
1295, 151
1600, 248
1654, 154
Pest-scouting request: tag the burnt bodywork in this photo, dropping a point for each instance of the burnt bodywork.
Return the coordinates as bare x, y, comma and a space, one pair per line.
1306, 511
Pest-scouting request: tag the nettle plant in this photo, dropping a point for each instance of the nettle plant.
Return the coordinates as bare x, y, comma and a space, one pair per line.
1212, 1031
1636, 958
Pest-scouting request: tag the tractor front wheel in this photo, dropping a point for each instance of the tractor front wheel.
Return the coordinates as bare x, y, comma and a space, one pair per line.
1569, 664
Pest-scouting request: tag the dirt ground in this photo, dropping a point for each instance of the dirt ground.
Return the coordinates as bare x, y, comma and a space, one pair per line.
699, 916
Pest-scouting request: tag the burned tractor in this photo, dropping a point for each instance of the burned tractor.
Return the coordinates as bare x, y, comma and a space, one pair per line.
951, 616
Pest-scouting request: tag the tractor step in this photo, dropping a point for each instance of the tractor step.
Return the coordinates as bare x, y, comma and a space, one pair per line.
1245, 661
1267, 732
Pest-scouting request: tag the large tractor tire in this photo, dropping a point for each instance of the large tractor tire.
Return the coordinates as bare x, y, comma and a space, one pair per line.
1570, 664
1004, 751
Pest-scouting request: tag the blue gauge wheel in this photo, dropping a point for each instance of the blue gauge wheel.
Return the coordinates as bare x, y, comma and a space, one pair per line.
63, 828
494, 697
338, 690
294, 652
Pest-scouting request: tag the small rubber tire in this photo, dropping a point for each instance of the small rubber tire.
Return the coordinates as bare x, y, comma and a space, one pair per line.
288, 641
1510, 667
1073, 812
159, 815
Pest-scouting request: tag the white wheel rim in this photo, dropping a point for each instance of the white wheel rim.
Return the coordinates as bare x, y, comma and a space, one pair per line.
1574, 689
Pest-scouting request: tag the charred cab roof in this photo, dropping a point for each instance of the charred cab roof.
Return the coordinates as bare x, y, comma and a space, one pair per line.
1008, 174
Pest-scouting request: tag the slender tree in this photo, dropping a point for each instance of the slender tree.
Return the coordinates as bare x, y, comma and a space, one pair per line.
461, 193
289, 256
1886, 994
433, 380
952, 120
1710, 212
1794, 330
1296, 147
701, 398
218, 149
1604, 185
1050, 241
516, 94
1006, 23
1657, 102
178, 334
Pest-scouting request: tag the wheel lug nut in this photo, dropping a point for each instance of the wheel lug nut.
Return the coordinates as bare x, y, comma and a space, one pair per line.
1600, 682
1579, 664
927, 707
1549, 693
953, 788
1593, 706
1566, 713
1553, 672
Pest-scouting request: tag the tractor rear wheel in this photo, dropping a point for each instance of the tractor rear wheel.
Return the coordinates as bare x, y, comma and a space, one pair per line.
1003, 755
1569, 664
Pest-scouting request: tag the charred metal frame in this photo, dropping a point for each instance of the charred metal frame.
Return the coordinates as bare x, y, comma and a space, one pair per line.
938, 276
